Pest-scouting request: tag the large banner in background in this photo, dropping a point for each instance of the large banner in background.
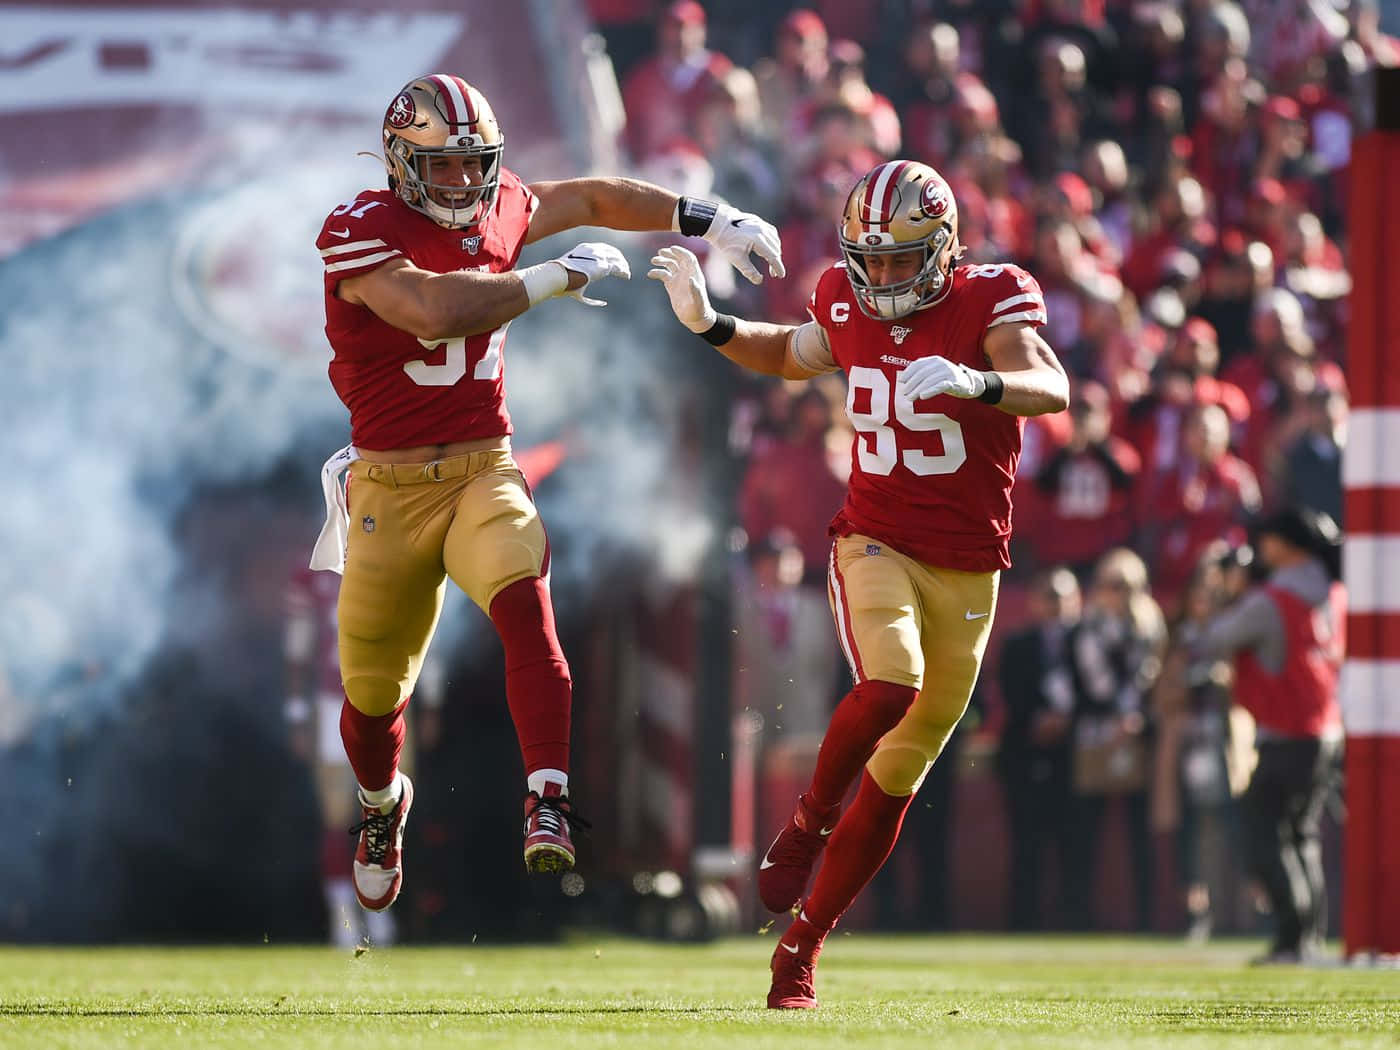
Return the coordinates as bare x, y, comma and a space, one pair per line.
101, 104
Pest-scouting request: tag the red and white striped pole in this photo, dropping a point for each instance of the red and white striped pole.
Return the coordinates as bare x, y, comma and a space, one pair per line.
1371, 472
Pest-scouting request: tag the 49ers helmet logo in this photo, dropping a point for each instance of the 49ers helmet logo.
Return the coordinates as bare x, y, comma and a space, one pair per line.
935, 198
401, 112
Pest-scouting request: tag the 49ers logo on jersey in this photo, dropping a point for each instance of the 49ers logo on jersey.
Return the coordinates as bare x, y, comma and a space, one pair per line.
935, 198
401, 111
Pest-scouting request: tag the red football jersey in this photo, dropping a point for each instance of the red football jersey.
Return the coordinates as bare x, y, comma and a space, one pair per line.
931, 478
401, 390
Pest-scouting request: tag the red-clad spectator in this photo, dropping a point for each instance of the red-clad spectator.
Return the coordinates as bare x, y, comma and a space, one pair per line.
1225, 142
937, 96
1281, 369
1266, 214
793, 76
858, 20
1087, 488
1290, 33
727, 130
1068, 277
1206, 495
1283, 147
792, 484
1179, 221
810, 242
1062, 113
992, 163
663, 94
1314, 271
847, 86
1123, 347
1234, 274
1105, 169
1328, 108
1183, 381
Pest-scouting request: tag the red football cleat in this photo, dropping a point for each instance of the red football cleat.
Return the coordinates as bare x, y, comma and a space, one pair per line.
794, 968
379, 856
549, 846
786, 868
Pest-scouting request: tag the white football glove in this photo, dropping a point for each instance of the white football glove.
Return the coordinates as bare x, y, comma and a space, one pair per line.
594, 260
931, 376
736, 233
679, 270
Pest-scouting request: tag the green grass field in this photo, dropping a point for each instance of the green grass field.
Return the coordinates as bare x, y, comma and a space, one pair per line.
907, 992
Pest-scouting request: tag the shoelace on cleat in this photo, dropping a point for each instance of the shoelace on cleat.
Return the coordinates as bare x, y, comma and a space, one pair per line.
376, 829
551, 814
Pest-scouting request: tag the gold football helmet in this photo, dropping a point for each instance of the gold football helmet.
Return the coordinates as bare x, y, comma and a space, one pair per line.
900, 206
437, 116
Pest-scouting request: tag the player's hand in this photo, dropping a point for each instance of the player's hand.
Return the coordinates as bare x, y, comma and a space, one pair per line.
735, 234
593, 260
931, 376
679, 270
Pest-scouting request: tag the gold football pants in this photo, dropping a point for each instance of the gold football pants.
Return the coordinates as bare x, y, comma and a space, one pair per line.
412, 526
903, 621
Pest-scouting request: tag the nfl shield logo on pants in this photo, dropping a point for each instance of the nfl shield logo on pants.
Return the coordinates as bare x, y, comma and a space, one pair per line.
872, 549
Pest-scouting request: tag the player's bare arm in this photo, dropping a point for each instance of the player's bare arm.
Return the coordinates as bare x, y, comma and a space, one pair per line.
1033, 380
612, 203
439, 305
790, 351
631, 204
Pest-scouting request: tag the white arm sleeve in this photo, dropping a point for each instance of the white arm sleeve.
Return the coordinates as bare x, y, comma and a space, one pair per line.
810, 348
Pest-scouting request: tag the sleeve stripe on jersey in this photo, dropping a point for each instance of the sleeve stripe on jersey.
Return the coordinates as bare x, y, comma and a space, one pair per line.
365, 260
1034, 316
352, 246
1017, 300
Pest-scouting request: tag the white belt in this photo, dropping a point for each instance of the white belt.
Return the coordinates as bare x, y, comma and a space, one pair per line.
329, 552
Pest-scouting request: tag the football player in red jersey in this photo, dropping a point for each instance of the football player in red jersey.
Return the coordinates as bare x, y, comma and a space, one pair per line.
942, 363
420, 288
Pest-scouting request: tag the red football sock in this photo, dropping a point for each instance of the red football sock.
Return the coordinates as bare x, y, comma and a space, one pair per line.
372, 743
867, 713
857, 849
538, 687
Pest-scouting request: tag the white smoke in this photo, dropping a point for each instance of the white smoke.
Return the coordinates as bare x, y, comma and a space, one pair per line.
178, 344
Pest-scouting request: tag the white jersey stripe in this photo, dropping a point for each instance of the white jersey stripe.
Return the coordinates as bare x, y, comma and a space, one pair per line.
1024, 315
351, 246
363, 261
1017, 300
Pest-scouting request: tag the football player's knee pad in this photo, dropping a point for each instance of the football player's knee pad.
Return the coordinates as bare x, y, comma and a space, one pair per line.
374, 696
888, 701
899, 769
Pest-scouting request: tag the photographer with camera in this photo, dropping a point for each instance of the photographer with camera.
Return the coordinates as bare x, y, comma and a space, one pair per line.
1286, 637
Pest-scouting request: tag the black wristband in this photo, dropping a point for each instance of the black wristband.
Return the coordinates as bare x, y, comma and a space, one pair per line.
696, 216
995, 388
721, 331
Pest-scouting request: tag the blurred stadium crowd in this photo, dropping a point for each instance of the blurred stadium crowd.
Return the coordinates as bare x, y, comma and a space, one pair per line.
1173, 172
1175, 176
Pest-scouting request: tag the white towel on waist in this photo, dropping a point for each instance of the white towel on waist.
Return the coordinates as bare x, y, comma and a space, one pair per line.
329, 552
